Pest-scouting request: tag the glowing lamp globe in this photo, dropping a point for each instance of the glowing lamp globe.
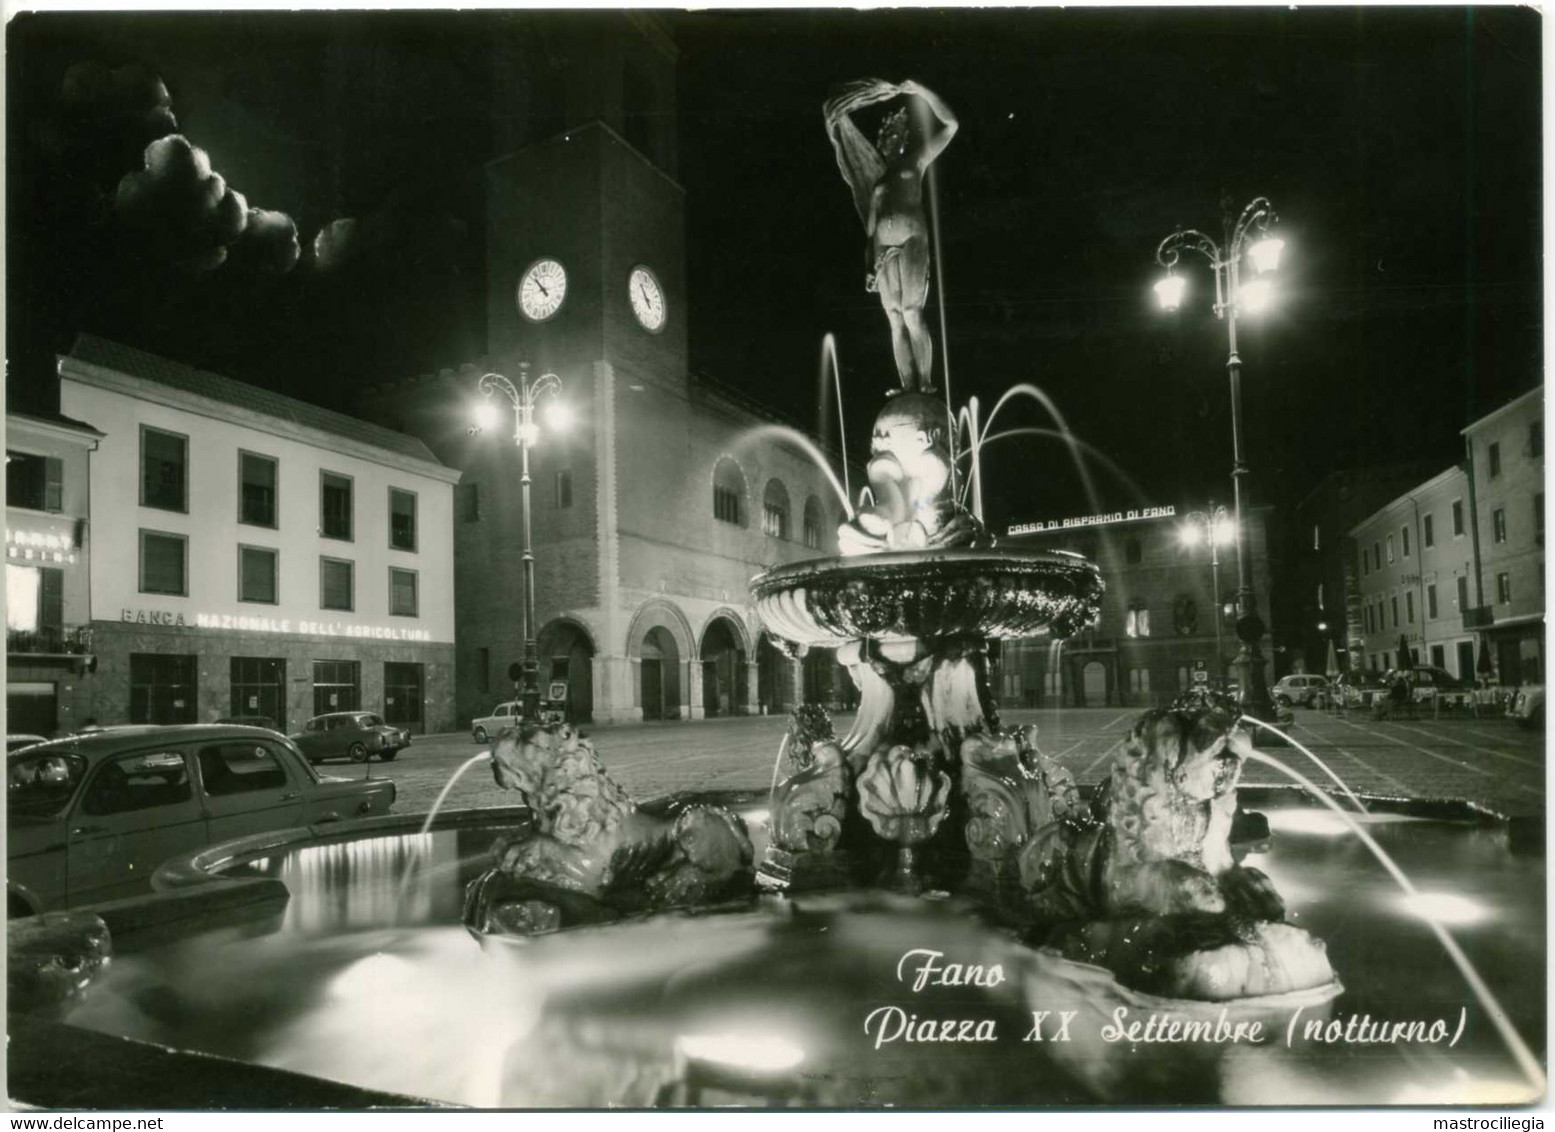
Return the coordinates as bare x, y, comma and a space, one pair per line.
1257, 296
1224, 532
487, 415
558, 415
528, 433
1190, 534
1168, 291
1265, 254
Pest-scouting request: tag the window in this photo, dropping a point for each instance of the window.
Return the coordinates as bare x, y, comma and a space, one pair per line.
34, 482
258, 685
1365, 562
1376, 555
1494, 454
728, 492
1409, 606
563, 490
402, 592
1394, 602
239, 768
34, 606
1498, 524
1463, 593
774, 521
1138, 622
469, 499
1403, 535
163, 563
257, 574
256, 490
1185, 615
335, 506
1139, 679
1390, 549
1439, 656
1430, 602
1366, 616
337, 686
1503, 588
138, 782
402, 519
162, 688
726, 505
483, 669
1536, 439
336, 584
812, 531
1427, 530
163, 469
1317, 537
1457, 518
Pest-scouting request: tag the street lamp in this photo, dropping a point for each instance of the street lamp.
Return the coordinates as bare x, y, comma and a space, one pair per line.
1216, 528
1247, 236
488, 415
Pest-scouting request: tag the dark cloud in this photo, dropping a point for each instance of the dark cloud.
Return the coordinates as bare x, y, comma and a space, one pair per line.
181, 205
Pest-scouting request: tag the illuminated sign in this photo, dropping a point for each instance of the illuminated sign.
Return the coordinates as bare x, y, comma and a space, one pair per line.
1133, 516
39, 546
244, 623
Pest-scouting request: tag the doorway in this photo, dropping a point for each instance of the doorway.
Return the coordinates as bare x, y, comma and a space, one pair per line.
660, 679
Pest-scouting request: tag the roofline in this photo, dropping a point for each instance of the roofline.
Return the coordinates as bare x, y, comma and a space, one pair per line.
1406, 496
591, 123
147, 389
1494, 413
78, 431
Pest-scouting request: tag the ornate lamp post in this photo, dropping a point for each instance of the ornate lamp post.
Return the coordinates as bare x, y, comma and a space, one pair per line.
524, 397
1214, 527
1248, 236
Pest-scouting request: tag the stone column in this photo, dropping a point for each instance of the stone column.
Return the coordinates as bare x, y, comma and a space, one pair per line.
796, 683
692, 691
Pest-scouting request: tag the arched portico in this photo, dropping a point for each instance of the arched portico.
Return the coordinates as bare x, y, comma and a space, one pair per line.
659, 643
566, 649
723, 651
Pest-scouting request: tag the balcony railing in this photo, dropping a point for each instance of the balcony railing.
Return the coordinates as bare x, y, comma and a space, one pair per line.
73, 641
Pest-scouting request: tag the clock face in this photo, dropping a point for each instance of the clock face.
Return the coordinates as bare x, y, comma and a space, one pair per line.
647, 298
542, 289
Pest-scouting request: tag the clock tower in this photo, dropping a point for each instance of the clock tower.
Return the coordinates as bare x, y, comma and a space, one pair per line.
585, 265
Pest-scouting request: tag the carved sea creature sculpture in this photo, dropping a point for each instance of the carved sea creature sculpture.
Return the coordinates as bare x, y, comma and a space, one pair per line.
1151, 888
591, 852
1012, 792
809, 807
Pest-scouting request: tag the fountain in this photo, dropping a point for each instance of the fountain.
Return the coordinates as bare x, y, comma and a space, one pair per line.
926, 911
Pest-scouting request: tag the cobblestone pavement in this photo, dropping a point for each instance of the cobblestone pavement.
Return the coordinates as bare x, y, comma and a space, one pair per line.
1489, 761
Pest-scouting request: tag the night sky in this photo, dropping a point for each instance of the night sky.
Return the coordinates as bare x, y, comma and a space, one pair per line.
1400, 147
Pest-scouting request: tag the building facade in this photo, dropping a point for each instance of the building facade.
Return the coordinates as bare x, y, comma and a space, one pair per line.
669, 493
1415, 566
49, 658
1168, 611
256, 555
1318, 599
1505, 457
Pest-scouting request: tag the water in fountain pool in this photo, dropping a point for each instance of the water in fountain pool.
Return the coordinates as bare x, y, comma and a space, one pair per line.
809, 999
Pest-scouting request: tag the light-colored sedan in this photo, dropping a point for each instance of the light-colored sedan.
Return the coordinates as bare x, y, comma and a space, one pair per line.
355, 735
90, 817
505, 716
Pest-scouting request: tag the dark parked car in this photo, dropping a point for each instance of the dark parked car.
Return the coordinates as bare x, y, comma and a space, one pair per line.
90, 817
354, 735
1359, 689
1425, 681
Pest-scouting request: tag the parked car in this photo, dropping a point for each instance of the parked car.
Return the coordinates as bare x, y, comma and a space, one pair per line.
503, 716
1528, 706
251, 721
1426, 680
354, 735
90, 817
1299, 688
22, 742
1359, 689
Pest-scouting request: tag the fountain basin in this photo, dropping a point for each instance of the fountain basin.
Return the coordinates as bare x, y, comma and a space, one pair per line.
373, 982
1007, 592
